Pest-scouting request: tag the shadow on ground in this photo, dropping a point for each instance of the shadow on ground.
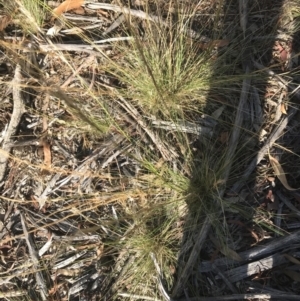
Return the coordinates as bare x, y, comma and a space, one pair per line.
231, 189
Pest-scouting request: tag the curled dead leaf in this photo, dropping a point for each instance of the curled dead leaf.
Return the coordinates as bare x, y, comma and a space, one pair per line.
67, 6
292, 259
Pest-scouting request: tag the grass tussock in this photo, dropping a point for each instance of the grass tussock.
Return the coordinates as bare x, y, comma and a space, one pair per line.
162, 71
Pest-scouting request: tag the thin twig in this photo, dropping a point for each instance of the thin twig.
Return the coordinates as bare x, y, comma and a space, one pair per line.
35, 260
17, 113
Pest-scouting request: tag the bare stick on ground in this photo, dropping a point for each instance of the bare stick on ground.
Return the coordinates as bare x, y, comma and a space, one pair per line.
17, 113
34, 257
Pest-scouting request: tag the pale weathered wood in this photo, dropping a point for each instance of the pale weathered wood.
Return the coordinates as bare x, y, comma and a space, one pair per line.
255, 267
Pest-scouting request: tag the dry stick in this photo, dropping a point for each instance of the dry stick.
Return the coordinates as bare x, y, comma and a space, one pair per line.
17, 113
34, 257
141, 14
201, 236
269, 143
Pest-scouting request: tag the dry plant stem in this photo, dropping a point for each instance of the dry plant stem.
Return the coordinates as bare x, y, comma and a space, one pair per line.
269, 143
115, 24
269, 296
34, 257
17, 113
141, 14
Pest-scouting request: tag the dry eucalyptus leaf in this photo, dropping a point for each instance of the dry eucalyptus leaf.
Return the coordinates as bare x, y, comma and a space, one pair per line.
67, 6
279, 172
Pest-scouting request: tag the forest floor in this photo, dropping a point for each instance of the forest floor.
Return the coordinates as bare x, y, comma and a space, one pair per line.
149, 150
